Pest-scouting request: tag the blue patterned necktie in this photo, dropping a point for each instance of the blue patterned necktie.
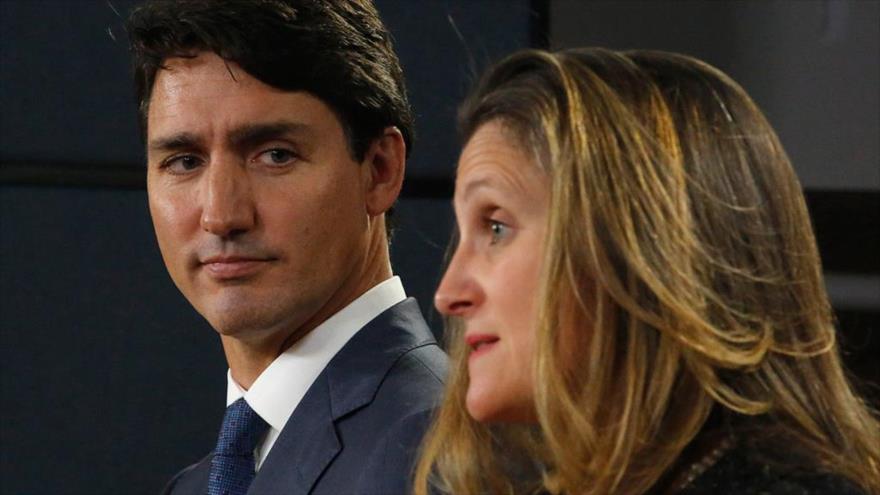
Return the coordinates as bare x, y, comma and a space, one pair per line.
232, 468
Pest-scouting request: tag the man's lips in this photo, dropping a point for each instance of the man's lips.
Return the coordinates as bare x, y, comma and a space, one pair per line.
480, 343
232, 267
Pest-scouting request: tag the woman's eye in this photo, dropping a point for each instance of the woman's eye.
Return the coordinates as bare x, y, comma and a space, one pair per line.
181, 164
276, 156
498, 231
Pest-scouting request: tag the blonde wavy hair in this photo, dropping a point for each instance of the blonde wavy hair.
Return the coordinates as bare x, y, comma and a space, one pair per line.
681, 261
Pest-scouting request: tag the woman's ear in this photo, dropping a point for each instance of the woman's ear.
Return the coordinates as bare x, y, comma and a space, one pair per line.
384, 165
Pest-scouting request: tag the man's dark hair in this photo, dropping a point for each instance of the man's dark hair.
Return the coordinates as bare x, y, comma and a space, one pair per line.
336, 50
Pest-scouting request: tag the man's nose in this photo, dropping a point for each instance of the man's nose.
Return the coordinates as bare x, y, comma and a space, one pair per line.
459, 293
227, 203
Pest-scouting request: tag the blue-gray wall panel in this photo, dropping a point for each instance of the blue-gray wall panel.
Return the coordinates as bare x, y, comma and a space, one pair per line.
103, 364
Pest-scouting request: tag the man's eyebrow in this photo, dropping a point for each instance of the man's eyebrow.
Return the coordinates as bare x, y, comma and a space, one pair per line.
252, 134
181, 140
240, 137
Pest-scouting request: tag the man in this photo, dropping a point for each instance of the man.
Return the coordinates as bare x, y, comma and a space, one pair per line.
277, 133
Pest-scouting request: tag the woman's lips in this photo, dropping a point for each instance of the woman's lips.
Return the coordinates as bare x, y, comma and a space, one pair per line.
480, 344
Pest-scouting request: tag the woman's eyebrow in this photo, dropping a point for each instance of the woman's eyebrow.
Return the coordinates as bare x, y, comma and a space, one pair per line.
470, 187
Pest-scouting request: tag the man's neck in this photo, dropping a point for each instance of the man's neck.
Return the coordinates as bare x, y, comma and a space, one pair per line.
249, 358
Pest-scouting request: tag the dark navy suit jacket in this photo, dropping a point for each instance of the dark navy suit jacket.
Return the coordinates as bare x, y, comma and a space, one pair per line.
358, 428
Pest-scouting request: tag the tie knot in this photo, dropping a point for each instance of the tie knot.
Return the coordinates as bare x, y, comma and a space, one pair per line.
241, 430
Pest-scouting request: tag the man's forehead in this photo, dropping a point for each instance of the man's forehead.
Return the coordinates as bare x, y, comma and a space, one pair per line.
203, 71
194, 88
198, 99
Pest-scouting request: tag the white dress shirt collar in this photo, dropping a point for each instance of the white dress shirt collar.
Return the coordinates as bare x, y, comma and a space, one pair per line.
278, 390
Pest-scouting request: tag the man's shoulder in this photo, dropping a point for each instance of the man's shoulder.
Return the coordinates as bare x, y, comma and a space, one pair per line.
420, 371
383, 388
397, 343
414, 367
393, 364
381, 439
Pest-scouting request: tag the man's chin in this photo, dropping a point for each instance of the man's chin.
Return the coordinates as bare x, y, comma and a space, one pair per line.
252, 315
239, 326
239, 320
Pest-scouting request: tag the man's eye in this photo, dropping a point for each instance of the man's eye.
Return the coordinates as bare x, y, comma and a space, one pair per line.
276, 156
181, 164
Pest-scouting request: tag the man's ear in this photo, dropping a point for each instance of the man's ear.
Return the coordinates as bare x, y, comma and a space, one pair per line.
384, 164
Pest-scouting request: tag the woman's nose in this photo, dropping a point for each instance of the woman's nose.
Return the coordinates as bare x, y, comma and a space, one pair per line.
459, 293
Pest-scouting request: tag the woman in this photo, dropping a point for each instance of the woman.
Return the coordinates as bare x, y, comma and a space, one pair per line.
636, 295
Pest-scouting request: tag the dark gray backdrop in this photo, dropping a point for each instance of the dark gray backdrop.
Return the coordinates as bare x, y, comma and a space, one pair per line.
110, 382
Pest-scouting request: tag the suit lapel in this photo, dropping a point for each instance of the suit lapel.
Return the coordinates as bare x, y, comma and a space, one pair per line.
309, 441
306, 445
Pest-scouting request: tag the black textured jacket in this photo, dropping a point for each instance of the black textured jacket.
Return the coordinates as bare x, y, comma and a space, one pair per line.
748, 470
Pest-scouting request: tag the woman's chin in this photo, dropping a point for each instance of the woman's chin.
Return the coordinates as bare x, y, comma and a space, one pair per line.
479, 405
486, 408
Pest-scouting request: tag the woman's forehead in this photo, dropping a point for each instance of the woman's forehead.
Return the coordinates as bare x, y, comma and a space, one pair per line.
492, 160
